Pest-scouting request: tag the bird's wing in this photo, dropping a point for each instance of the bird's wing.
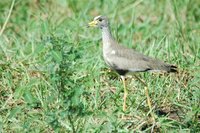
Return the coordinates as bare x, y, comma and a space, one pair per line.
128, 59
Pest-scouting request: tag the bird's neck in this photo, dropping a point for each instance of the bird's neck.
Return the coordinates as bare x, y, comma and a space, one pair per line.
106, 36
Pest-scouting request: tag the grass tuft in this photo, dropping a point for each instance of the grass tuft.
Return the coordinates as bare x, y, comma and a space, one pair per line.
53, 78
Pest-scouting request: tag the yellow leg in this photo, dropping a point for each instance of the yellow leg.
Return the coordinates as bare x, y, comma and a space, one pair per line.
149, 103
148, 98
125, 93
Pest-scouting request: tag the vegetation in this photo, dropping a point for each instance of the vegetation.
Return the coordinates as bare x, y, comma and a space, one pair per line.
53, 77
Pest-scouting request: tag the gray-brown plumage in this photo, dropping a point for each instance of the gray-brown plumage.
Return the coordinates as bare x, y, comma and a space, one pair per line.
123, 59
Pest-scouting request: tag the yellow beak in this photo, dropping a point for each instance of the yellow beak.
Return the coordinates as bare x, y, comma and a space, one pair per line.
93, 23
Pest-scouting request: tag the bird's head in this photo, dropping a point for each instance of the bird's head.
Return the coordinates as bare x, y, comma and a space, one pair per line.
99, 21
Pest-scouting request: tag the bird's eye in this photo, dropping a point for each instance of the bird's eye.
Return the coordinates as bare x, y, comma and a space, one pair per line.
100, 19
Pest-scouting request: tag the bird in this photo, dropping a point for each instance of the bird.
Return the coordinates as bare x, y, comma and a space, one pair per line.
125, 60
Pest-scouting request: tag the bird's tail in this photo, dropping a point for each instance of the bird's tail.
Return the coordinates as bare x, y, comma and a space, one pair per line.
172, 68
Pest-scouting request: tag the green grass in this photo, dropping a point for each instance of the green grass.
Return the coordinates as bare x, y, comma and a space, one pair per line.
53, 78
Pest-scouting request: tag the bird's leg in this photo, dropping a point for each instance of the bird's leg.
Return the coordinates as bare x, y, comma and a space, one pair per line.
146, 92
148, 98
149, 103
125, 93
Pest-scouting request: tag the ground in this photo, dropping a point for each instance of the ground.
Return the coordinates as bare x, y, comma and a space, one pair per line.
53, 77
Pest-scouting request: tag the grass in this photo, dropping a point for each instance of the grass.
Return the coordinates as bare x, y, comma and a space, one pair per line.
53, 78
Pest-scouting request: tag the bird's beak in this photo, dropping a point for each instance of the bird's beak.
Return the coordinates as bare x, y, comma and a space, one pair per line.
93, 23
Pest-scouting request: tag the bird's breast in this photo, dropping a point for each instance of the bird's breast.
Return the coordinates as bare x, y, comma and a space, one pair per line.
108, 56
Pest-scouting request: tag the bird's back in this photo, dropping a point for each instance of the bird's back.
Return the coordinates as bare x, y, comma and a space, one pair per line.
119, 57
